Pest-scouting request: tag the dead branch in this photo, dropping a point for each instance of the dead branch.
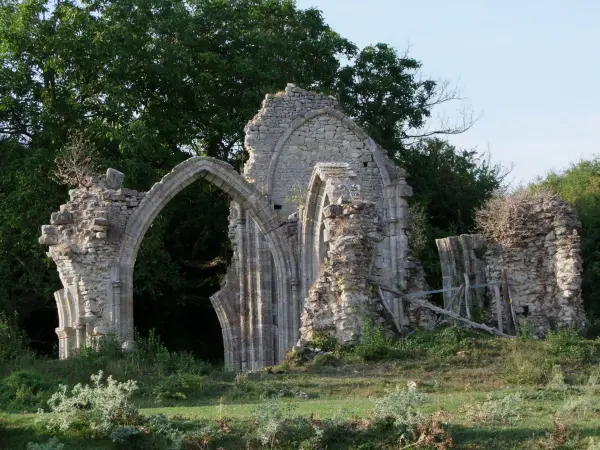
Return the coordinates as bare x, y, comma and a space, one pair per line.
76, 163
426, 304
464, 117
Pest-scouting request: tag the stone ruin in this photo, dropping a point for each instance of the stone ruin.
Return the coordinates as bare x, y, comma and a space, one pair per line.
529, 273
318, 219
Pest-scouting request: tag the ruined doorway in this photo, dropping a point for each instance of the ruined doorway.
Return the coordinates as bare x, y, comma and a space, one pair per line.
179, 266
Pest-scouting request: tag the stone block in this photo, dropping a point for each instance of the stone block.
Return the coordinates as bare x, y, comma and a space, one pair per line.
48, 239
114, 179
101, 221
61, 218
128, 192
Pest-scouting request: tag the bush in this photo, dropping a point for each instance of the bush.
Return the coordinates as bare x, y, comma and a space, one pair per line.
94, 410
400, 405
323, 341
499, 411
270, 418
179, 387
26, 390
52, 444
567, 343
374, 344
13, 342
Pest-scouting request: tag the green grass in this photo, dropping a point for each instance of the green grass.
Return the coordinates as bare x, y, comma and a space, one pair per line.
456, 369
534, 422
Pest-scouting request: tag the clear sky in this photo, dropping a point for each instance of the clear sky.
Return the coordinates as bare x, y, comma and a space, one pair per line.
532, 67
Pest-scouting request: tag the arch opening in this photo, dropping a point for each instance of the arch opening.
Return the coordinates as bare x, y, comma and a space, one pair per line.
244, 303
176, 272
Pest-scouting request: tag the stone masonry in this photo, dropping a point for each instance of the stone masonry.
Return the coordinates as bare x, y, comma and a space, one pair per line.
317, 199
540, 255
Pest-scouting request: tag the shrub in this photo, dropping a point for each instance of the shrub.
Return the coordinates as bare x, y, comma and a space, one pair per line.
178, 387
499, 411
26, 390
374, 344
13, 342
94, 409
150, 349
567, 343
52, 444
325, 360
270, 417
323, 340
400, 405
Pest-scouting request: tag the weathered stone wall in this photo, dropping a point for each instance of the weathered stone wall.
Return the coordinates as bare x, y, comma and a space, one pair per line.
296, 129
343, 294
83, 239
540, 254
300, 147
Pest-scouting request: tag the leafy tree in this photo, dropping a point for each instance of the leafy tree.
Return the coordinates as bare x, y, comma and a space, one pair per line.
149, 82
449, 185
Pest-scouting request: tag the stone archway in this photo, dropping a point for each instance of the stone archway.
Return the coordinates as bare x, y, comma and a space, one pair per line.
95, 237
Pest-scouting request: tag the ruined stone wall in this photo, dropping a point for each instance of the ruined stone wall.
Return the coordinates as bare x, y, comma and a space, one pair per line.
83, 239
539, 250
343, 294
295, 130
279, 243
543, 264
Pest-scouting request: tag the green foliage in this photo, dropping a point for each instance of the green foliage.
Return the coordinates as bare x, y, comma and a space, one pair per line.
179, 386
566, 342
381, 92
402, 405
51, 444
323, 340
449, 185
496, 411
150, 83
270, 418
93, 410
374, 344
26, 390
13, 342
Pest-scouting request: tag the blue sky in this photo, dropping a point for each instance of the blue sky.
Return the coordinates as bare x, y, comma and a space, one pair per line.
532, 67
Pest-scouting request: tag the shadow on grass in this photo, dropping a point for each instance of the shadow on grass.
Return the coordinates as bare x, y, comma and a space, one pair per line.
515, 437
15, 437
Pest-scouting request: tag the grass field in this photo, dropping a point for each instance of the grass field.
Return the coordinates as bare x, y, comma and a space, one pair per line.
494, 393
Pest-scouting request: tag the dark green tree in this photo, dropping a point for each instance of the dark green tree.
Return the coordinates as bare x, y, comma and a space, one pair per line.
150, 82
449, 185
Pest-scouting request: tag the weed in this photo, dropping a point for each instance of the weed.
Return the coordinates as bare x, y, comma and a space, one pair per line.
94, 409
500, 411
270, 418
374, 344
400, 405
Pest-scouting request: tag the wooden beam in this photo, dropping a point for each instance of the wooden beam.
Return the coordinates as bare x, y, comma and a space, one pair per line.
387, 308
498, 306
467, 287
426, 304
